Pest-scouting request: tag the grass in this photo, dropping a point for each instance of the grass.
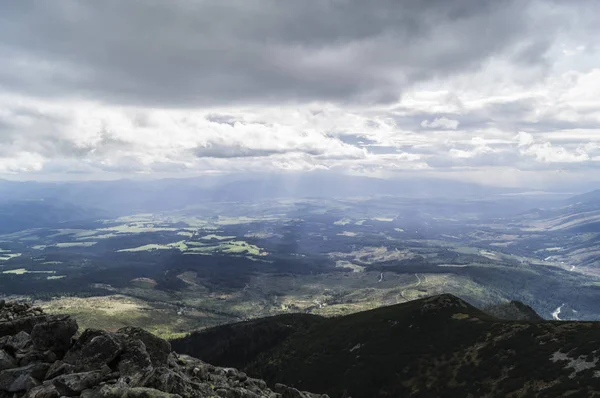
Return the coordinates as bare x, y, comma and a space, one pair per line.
6, 257
151, 246
116, 311
21, 271
343, 221
101, 236
370, 255
217, 237
224, 220
18, 271
239, 247
144, 283
64, 245
180, 245
348, 264
231, 247
136, 228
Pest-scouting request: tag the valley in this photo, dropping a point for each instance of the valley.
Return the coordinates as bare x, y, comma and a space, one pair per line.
203, 265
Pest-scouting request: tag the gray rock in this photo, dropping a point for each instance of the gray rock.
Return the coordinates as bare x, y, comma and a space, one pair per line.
59, 368
6, 361
131, 363
31, 356
134, 361
74, 383
290, 392
91, 393
19, 324
43, 391
144, 392
157, 348
236, 393
54, 335
115, 390
93, 350
23, 378
167, 380
18, 342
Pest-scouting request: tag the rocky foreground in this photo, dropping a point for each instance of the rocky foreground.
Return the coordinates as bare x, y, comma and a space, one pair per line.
43, 356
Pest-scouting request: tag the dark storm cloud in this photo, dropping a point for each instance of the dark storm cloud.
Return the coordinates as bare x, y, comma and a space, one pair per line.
194, 52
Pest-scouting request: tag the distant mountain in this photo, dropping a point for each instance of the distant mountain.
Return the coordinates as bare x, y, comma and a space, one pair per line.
130, 196
17, 215
579, 213
434, 347
592, 197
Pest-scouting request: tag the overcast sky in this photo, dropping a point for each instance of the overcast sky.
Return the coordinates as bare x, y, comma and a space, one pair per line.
501, 92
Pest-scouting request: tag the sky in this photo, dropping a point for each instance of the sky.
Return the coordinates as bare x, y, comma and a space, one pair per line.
501, 92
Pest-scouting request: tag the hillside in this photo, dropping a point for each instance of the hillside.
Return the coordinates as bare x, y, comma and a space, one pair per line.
44, 356
437, 346
513, 311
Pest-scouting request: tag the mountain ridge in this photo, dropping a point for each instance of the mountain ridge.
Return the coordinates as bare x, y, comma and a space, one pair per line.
437, 346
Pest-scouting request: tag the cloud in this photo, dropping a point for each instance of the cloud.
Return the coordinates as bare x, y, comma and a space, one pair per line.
441, 123
192, 52
460, 88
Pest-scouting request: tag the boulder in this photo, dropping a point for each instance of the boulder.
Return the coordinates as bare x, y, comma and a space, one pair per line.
6, 361
167, 380
54, 334
144, 392
75, 383
18, 342
31, 356
134, 361
43, 391
59, 368
290, 392
93, 350
26, 324
236, 393
157, 348
93, 393
131, 363
23, 378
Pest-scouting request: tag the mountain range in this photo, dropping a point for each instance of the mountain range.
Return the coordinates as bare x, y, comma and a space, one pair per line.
439, 346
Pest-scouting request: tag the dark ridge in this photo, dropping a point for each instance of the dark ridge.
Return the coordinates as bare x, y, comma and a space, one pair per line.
439, 346
240, 343
513, 311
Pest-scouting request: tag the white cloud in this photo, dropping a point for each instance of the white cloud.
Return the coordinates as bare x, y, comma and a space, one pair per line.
442, 123
524, 139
